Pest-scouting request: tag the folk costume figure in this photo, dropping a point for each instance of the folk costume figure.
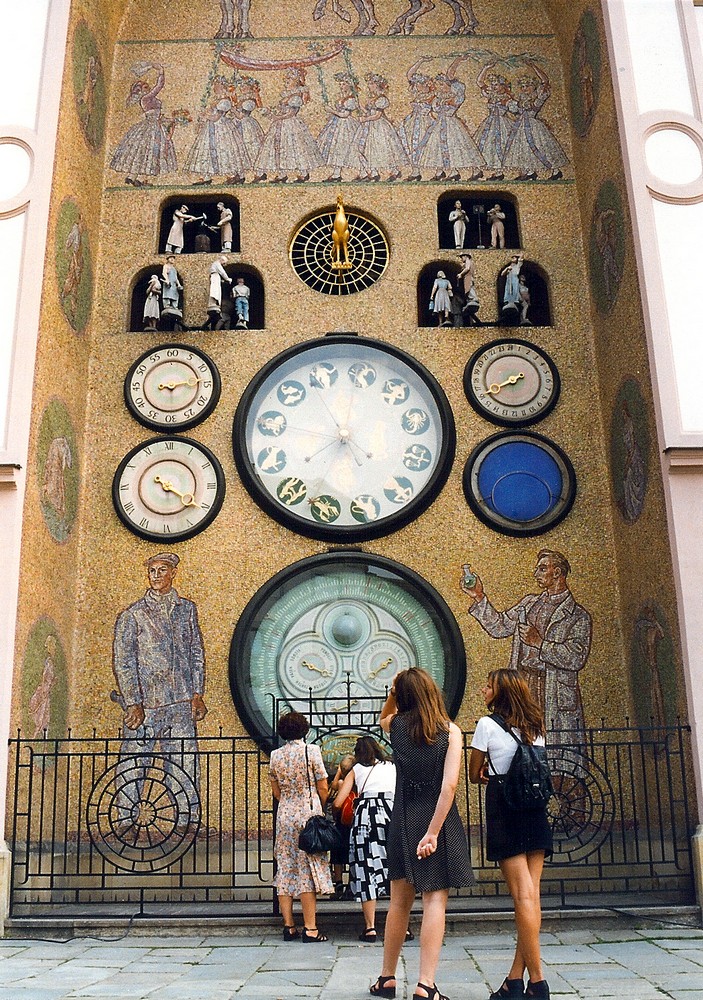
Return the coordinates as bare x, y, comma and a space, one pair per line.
511, 292
219, 148
337, 139
441, 297
147, 148
379, 144
448, 147
288, 146
152, 309
248, 99
494, 131
415, 125
532, 147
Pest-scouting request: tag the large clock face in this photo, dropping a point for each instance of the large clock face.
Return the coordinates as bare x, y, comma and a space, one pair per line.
336, 629
168, 489
344, 438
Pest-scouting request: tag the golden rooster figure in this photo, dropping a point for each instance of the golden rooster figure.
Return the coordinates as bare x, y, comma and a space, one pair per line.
340, 239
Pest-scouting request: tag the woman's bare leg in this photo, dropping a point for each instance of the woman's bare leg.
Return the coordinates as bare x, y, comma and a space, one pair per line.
434, 906
402, 898
522, 874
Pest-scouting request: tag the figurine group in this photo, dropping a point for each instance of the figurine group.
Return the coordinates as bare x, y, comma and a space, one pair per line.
176, 234
460, 308
219, 308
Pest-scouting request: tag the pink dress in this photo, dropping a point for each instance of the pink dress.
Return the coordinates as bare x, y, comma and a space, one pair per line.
297, 871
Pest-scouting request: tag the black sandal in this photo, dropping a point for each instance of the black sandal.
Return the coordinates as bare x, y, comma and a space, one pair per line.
509, 988
290, 933
368, 935
317, 936
379, 988
432, 993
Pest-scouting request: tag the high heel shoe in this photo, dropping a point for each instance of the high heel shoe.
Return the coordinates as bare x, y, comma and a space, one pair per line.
432, 993
539, 989
290, 933
317, 936
379, 988
509, 988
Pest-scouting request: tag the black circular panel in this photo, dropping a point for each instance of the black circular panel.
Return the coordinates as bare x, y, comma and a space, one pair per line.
327, 635
311, 254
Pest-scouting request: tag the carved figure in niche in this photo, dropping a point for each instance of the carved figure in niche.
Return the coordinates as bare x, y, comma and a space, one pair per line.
224, 226
448, 146
69, 291
214, 303
40, 701
415, 125
511, 293
441, 299
219, 148
340, 239
288, 146
551, 640
152, 309
465, 21
465, 283
496, 220
531, 147
524, 300
235, 19
147, 148
159, 666
241, 293
493, 132
171, 286
379, 144
460, 219
53, 487
248, 99
174, 240
337, 139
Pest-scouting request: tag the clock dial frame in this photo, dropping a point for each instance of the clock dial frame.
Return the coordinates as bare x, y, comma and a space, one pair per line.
172, 387
332, 619
519, 483
311, 254
523, 378
344, 438
168, 489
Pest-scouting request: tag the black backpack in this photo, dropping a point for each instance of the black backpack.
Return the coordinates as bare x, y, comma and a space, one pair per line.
527, 784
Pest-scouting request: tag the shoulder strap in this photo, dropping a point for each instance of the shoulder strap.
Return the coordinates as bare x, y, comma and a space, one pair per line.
307, 771
367, 777
504, 725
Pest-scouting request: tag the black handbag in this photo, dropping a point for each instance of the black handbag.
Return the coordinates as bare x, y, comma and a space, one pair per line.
319, 834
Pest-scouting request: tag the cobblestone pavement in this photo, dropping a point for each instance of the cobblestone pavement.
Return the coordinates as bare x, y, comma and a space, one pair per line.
636, 964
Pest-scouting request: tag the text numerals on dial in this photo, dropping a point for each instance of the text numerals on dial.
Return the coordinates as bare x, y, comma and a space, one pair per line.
172, 387
511, 382
168, 488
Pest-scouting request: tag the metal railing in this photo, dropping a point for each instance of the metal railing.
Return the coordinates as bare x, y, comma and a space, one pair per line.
188, 830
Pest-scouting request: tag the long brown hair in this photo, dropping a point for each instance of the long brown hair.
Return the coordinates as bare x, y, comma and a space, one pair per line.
421, 701
514, 702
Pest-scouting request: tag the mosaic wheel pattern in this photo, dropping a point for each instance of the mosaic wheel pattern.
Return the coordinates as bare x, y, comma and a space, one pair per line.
312, 248
583, 807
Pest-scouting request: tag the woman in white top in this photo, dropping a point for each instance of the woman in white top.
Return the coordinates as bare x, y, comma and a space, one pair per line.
517, 840
374, 777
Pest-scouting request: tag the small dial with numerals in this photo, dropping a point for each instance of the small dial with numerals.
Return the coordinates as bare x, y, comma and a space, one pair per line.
172, 387
168, 488
511, 382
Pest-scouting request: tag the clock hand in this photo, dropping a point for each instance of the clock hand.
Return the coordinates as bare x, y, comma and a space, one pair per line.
495, 387
187, 499
172, 385
373, 674
329, 444
318, 670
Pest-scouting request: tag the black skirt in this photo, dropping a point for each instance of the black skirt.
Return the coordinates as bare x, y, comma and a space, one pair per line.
513, 831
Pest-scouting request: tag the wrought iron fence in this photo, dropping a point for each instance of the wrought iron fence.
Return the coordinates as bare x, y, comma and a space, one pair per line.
110, 827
